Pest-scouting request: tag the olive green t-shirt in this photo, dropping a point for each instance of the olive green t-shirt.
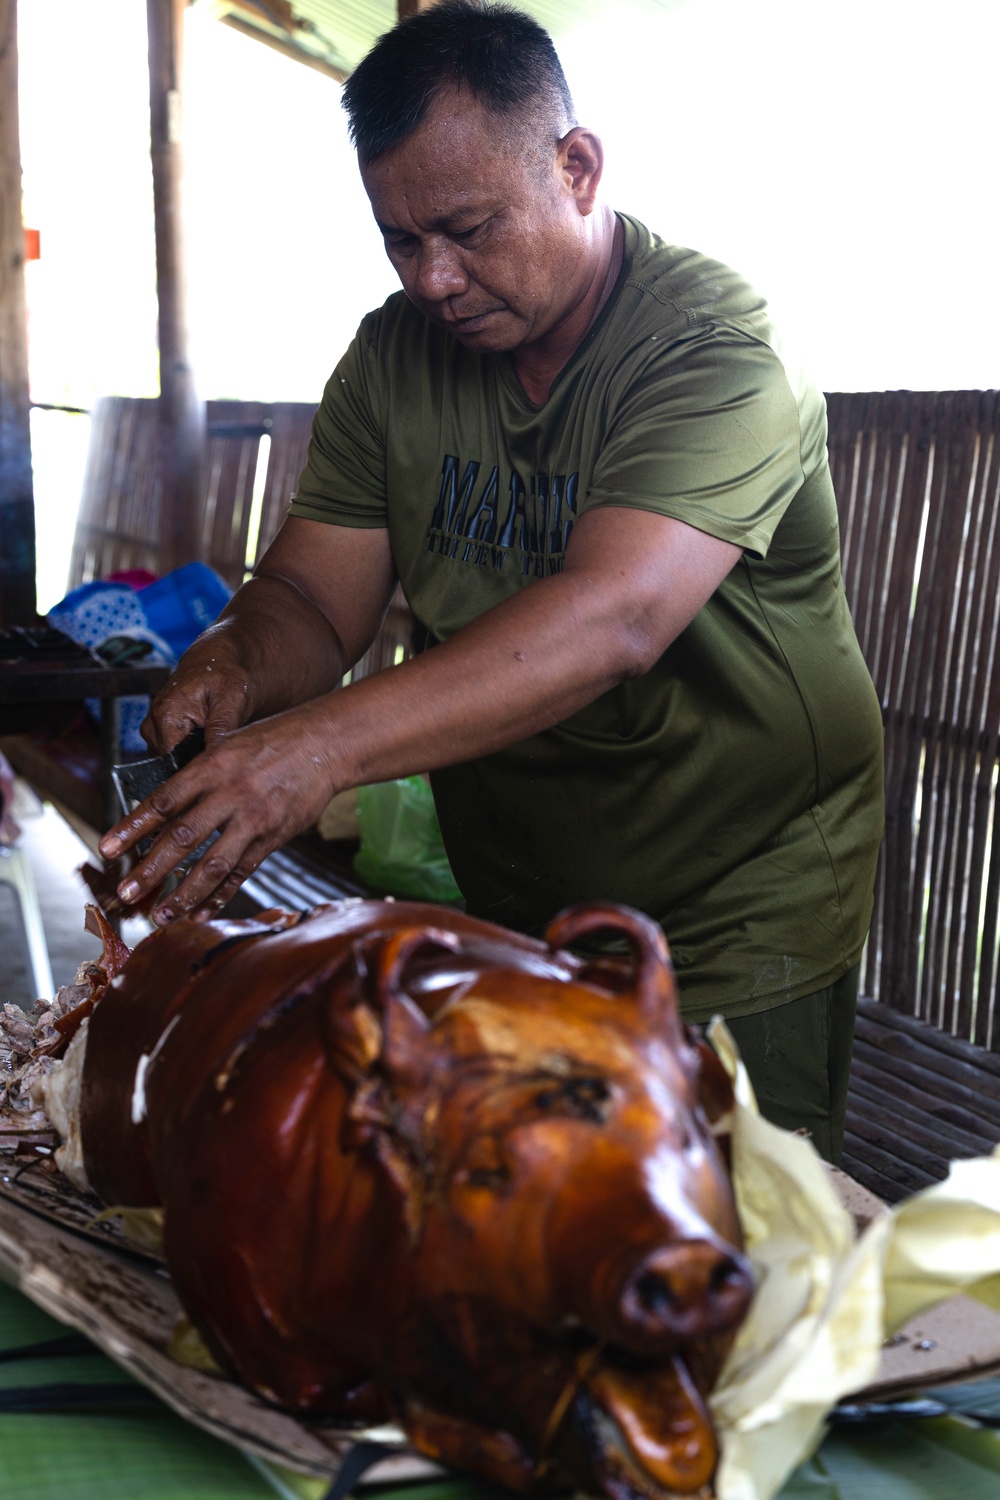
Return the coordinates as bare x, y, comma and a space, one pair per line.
734, 791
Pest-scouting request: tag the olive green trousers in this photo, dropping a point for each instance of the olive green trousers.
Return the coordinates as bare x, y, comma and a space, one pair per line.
798, 1056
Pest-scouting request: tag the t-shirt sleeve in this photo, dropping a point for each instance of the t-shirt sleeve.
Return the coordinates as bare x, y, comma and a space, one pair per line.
707, 432
343, 481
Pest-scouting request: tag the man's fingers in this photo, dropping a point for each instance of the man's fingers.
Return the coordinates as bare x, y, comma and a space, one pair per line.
254, 788
216, 877
162, 732
227, 890
178, 839
184, 819
178, 800
173, 713
142, 823
224, 718
207, 692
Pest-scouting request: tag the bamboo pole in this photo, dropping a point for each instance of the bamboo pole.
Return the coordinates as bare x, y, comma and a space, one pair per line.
17, 516
182, 414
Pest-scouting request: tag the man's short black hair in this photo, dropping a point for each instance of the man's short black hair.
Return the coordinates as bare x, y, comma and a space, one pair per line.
500, 55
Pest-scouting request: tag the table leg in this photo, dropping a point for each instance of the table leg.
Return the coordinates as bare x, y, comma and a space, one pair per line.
111, 720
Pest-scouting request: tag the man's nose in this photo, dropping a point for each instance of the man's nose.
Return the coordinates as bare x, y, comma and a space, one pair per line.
439, 273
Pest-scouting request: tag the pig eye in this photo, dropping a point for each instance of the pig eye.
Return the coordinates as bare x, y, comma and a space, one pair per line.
583, 1098
484, 1166
493, 1179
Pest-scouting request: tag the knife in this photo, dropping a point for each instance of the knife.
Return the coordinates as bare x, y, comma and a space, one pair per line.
137, 779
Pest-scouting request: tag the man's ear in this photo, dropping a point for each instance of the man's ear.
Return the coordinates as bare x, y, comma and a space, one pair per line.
581, 160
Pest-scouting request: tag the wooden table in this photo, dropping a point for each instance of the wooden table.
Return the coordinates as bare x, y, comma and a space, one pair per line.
42, 672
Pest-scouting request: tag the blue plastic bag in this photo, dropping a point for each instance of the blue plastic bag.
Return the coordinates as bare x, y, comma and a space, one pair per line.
169, 614
179, 606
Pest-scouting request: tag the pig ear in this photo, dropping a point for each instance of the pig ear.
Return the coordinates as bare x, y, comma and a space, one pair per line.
405, 1027
376, 1019
398, 1061
654, 986
395, 953
353, 1030
715, 1088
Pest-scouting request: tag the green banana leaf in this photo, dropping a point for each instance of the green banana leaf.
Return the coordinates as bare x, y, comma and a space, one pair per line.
147, 1453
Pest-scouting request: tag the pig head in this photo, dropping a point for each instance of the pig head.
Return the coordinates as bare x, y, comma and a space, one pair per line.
577, 1270
472, 1183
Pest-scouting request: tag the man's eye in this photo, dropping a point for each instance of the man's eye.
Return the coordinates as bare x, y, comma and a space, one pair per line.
464, 236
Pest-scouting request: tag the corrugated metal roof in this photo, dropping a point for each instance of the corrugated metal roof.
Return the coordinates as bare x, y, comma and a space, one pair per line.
334, 35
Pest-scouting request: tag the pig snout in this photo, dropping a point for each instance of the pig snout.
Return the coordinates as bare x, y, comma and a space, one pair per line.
682, 1291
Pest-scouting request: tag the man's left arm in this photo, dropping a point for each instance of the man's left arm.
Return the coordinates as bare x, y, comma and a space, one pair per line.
632, 581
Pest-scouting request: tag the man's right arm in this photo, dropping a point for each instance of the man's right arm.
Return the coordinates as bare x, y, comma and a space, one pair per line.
312, 609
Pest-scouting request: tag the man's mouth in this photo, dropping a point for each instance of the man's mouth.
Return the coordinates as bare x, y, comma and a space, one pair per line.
472, 323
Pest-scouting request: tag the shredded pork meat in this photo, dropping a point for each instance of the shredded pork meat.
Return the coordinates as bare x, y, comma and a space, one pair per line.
27, 1039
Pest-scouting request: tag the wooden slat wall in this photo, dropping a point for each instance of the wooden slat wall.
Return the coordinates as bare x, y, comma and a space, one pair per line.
235, 429
290, 429
119, 521
918, 485
919, 1099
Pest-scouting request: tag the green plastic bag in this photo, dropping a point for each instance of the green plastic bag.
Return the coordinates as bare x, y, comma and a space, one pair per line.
402, 852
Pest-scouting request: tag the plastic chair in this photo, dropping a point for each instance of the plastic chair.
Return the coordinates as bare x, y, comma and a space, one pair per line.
15, 871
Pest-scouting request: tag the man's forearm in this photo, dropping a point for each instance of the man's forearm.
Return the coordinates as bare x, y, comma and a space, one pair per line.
532, 661
524, 666
312, 608
269, 651
287, 648
521, 667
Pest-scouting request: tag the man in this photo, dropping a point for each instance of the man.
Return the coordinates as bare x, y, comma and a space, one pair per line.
609, 506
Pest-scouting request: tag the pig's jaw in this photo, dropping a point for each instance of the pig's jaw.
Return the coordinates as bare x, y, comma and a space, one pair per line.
581, 1412
647, 1431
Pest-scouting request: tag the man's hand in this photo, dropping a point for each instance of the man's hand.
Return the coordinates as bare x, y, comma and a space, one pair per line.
210, 689
258, 786
311, 610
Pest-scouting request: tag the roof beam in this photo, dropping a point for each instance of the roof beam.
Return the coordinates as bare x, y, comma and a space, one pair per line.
286, 48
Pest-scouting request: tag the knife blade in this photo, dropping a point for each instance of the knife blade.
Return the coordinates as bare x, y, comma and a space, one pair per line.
138, 779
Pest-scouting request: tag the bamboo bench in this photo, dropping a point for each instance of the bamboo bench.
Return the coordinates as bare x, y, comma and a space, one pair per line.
919, 1099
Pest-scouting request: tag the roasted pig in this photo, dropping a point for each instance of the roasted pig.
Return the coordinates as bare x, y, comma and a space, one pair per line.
417, 1167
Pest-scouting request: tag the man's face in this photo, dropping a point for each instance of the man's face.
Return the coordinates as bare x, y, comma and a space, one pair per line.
486, 243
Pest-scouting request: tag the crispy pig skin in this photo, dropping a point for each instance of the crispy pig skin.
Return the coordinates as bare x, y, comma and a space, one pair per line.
416, 1166
138, 1004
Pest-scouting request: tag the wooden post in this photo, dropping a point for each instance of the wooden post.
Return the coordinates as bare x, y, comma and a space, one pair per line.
182, 415
17, 514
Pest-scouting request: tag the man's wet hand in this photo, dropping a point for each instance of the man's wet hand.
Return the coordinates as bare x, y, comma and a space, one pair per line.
256, 788
209, 690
